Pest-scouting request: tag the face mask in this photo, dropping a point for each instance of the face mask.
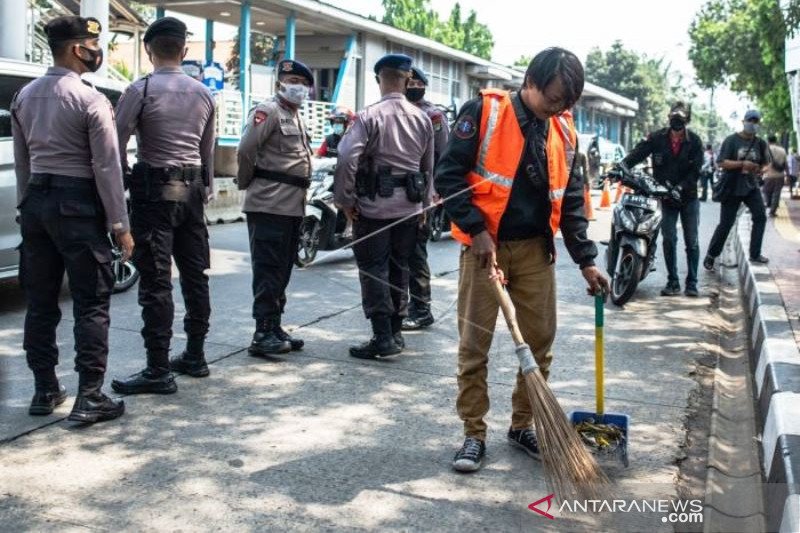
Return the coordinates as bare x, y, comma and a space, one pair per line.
294, 93
338, 129
677, 123
751, 128
95, 59
415, 94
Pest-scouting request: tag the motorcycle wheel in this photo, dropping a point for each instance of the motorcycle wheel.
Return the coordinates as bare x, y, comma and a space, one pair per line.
125, 273
308, 244
437, 224
626, 276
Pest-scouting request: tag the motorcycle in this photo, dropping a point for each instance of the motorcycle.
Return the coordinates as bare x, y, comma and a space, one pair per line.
324, 226
636, 220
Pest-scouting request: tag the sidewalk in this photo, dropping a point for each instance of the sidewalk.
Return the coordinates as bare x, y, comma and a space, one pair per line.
782, 246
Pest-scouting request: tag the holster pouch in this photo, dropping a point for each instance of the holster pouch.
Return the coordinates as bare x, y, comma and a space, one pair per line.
385, 185
172, 184
416, 185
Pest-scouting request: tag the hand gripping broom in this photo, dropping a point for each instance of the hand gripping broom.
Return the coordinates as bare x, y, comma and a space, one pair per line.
570, 470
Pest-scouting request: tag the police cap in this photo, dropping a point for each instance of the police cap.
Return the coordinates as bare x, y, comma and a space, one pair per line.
395, 61
72, 27
290, 66
165, 26
418, 74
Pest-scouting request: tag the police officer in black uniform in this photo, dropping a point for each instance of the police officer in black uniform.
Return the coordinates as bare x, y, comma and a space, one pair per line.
173, 116
70, 194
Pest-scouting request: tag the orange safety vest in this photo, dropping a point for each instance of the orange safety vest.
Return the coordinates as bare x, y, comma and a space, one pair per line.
500, 151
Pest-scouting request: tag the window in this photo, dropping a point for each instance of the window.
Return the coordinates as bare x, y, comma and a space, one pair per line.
444, 75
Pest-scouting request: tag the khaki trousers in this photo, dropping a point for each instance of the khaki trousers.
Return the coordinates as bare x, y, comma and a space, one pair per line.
531, 284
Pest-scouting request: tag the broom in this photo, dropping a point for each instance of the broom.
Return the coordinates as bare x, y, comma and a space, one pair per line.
571, 472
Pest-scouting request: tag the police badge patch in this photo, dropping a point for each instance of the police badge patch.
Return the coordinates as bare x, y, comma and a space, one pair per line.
259, 117
465, 127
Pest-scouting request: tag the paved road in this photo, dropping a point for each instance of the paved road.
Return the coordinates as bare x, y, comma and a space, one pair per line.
320, 440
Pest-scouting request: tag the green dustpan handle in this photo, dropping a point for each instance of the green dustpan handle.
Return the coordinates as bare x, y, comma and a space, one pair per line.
599, 305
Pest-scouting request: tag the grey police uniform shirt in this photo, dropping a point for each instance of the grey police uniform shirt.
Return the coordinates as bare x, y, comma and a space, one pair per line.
396, 133
274, 139
440, 129
62, 126
174, 123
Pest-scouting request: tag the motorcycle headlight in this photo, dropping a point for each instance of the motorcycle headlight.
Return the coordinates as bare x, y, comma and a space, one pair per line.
647, 225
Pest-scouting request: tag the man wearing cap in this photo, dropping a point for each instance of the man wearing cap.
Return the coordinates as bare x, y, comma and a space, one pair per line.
383, 179
742, 157
275, 171
173, 117
419, 306
70, 195
677, 155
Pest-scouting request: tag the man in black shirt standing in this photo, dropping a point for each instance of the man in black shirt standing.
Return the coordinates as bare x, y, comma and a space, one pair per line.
742, 158
677, 159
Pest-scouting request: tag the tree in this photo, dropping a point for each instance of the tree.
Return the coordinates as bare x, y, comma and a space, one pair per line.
417, 16
741, 43
523, 61
262, 48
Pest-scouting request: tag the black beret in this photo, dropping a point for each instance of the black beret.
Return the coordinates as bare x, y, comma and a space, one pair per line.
395, 61
72, 27
167, 26
289, 66
418, 74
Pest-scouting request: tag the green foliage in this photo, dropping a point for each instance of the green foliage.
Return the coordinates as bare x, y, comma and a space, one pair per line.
741, 43
417, 16
122, 68
262, 48
523, 61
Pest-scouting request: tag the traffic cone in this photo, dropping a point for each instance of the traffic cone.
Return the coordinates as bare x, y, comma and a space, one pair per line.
587, 204
620, 191
605, 198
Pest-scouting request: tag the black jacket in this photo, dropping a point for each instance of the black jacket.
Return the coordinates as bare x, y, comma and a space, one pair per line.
682, 170
459, 158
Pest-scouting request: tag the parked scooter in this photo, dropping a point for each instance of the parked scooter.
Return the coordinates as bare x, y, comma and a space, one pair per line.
636, 221
439, 221
324, 226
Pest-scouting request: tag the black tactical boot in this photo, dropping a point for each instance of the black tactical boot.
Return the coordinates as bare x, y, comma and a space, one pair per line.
266, 342
296, 344
419, 318
382, 343
192, 361
397, 331
148, 381
46, 400
91, 405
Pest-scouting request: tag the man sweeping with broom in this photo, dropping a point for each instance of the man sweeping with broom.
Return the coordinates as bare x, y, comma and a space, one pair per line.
507, 177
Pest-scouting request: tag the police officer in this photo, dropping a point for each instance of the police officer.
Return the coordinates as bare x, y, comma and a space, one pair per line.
173, 117
419, 307
339, 119
275, 170
383, 177
70, 195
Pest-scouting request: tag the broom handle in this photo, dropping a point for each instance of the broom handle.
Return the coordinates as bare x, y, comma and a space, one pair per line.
508, 311
599, 304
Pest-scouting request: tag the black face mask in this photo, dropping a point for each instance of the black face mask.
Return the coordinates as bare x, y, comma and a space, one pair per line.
415, 94
677, 123
95, 60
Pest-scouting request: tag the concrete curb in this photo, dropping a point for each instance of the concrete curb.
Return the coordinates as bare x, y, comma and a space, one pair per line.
776, 359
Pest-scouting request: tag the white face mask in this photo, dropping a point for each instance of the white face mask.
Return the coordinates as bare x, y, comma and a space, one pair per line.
294, 93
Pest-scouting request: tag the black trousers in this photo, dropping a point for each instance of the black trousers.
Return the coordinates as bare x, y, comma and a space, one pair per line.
382, 260
419, 281
705, 179
63, 229
728, 209
163, 230
273, 247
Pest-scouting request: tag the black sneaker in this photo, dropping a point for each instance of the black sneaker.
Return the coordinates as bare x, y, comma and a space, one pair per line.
691, 291
420, 321
760, 260
470, 457
296, 344
708, 263
672, 289
382, 346
189, 364
44, 402
525, 439
146, 382
96, 407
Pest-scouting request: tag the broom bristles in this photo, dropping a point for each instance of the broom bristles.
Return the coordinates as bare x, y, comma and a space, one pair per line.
571, 472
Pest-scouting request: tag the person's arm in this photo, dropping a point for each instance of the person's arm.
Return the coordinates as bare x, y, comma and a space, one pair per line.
439, 135
322, 151
573, 221
456, 161
350, 149
728, 157
696, 157
129, 107
22, 158
104, 146
207, 144
428, 163
640, 152
260, 125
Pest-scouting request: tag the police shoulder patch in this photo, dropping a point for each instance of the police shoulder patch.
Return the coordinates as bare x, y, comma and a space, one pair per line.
259, 117
465, 127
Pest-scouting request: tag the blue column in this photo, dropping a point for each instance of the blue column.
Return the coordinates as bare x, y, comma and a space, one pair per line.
159, 12
290, 35
244, 57
209, 41
344, 65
